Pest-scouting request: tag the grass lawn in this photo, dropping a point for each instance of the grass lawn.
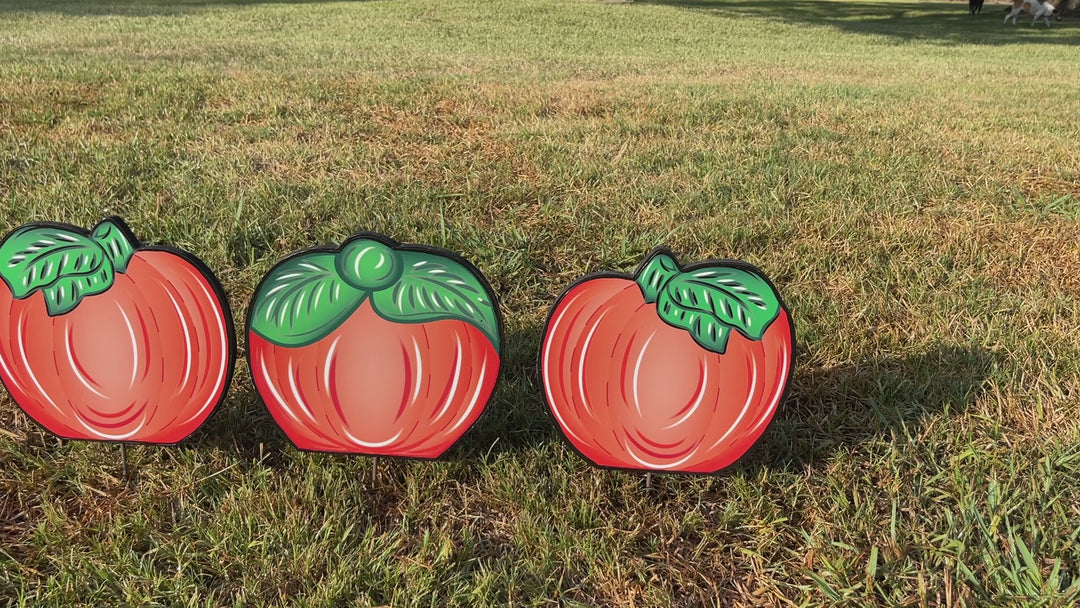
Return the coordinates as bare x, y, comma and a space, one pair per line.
909, 177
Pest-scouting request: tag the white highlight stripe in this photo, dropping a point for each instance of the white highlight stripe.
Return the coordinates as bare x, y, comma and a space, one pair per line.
277, 396
221, 333
697, 402
418, 374
326, 367
637, 372
746, 406
74, 367
629, 447
554, 326
767, 414
30, 370
473, 400
367, 444
97, 432
296, 391
135, 345
581, 363
454, 386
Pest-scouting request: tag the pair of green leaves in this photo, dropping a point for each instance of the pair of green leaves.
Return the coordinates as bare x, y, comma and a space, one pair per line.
64, 263
709, 301
309, 295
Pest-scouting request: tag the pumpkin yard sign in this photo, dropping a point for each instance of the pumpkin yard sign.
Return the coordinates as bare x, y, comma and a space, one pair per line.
380, 348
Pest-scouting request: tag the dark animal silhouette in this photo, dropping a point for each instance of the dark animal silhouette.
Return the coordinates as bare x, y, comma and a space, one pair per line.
975, 6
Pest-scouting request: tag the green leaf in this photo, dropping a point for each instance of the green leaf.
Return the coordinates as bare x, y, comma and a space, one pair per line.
705, 329
656, 273
64, 264
308, 296
116, 242
302, 300
737, 298
710, 301
825, 586
432, 288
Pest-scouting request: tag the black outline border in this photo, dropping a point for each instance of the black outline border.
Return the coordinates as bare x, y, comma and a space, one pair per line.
396, 246
608, 274
197, 264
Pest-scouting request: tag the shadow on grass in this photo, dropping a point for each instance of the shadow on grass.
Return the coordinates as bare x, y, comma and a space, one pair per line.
243, 426
944, 22
826, 410
516, 418
847, 405
138, 8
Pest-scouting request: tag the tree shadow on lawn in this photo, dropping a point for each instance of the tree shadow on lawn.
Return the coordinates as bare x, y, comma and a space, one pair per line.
944, 22
138, 8
850, 404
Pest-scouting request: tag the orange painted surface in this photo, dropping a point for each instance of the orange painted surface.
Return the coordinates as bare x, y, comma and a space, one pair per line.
145, 361
630, 391
377, 387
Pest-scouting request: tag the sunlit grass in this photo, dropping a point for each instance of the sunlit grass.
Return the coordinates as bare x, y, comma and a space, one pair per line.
906, 174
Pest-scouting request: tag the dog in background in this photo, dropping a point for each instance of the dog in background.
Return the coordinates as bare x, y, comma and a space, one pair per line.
1036, 8
975, 6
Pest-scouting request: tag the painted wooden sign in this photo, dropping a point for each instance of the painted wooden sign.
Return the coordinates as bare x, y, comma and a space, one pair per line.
104, 339
375, 347
386, 349
669, 369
